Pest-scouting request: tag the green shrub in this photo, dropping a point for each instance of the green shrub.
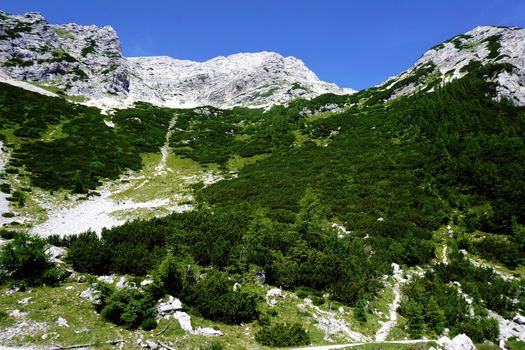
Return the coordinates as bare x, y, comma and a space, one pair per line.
283, 335
129, 308
214, 297
24, 259
149, 324
214, 345
7, 234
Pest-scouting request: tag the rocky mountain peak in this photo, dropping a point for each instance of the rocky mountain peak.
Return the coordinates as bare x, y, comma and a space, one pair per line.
503, 47
87, 61
247, 79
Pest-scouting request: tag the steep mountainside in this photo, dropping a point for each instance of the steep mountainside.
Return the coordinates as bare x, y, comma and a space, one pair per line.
396, 212
248, 79
80, 60
454, 58
87, 61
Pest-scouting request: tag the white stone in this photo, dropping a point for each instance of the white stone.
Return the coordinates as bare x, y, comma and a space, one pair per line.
209, 332
145, 283
274, 293
91, 294
169, 306
461, 342
184, 321
121, 283
62, 322
380, 219
56, 253
444, 341
25, 301
107, 279
151, 344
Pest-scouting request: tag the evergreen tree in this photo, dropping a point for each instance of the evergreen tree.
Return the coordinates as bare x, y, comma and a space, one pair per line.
434, 316
415, 321
360, 312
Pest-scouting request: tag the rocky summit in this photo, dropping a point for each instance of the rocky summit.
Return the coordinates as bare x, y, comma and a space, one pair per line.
87, 61
454, 58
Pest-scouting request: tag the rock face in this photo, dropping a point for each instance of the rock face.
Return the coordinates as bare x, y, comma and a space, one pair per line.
451, 59
245, 79
81, 60
87, 61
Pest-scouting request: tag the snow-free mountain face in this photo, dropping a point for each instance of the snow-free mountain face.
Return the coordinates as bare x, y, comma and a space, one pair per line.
453, 59
87, 61
79, 60
246, 79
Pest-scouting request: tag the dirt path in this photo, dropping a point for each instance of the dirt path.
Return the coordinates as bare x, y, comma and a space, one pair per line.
349, 345
383, 332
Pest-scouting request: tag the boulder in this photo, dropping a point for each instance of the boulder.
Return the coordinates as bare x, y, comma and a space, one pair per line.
121, 283
184, 321
55, 253
146, 283
169, 306
151, 344
106, 279
444, 341
461, 342
90, 294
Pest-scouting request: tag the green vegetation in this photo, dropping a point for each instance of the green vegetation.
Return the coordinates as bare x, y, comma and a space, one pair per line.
493, 44
64, 34
392, 174
282, 335
15, 61
25, 260
15, 31
89, 151
89, 49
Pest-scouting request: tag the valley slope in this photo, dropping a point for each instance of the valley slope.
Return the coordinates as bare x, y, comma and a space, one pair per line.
391, 213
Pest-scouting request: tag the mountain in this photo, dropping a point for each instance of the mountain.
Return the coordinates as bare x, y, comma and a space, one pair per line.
87, 62
395, 212
454, 58
246, 79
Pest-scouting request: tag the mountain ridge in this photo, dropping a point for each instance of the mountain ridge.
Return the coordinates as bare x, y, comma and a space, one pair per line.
87, 62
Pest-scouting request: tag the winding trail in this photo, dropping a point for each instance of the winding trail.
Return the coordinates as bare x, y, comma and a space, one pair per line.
384, 331
160, 169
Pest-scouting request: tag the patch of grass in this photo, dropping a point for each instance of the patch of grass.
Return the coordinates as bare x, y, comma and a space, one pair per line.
64, 34
89, 49
15, 61
238, 162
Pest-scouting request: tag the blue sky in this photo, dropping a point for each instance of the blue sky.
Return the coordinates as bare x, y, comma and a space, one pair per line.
352, 43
